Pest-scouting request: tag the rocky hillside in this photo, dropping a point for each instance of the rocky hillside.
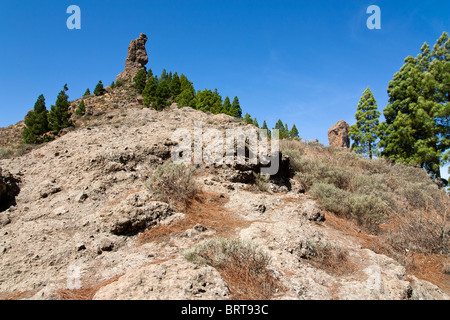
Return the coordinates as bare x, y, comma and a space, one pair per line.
84, 214
81, 219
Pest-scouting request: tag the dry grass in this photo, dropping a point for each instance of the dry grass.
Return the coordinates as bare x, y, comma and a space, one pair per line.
241, 264
329, 257
86, 293
429, 267
17, 295
174, 184
206, 209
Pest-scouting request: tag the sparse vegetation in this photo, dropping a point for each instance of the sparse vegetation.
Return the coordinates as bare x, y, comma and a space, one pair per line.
375, 194
327, 256
173, 183
261, 182
81, 110
242, 264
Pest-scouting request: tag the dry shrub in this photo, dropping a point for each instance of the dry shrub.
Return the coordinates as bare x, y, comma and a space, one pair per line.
261, 182
6, 153
173, 183
206, 209
327, 256
87, 292
241, 264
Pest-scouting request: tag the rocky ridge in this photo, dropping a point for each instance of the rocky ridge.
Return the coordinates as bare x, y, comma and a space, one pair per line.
83, 205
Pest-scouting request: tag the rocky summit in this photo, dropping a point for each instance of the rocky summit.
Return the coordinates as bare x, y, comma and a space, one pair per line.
136, 58
80, 220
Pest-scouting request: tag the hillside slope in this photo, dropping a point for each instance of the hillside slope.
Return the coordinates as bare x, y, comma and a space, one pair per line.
85, 226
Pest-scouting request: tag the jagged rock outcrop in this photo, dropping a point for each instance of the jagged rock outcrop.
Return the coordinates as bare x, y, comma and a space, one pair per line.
9, 189
338, 135
136, 58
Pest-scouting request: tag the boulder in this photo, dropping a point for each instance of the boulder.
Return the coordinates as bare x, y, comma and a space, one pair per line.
338, 135
9, 189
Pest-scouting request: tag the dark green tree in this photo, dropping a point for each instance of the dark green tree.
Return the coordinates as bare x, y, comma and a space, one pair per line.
236, 110
283, 132
36, 122
58, 116
162, 96
81, 110
264, 126
164, 75
99, 90
226, 106
149, 92
87, 93
139, 80
365, 132
175, 86
255, 123
187, 97
294, 132
208, 101
417, 123
248, 119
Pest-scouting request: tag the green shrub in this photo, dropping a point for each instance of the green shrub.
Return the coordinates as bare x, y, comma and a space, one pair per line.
367, 210
331, 198
321, 171
173, 183
261, 182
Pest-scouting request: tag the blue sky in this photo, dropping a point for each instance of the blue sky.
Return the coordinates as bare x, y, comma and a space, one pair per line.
305, 62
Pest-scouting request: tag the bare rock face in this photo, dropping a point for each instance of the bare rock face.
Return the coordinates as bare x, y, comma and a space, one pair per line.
136, 58
338, 135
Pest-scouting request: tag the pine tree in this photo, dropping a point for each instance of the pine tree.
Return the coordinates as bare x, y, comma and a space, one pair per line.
59, 114
161, 96
87, 93
226, 106
81, 110
248, 119
294, 132
255, 123
208, 101
236, 110
417, 123
283, 132
139, 80
175, 86
264, 126
149, 92
365, 132
99, 90
36, 122
164, 75
187, 97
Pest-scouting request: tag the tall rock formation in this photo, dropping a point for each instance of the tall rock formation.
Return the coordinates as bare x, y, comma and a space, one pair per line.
338, 135
136, 58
